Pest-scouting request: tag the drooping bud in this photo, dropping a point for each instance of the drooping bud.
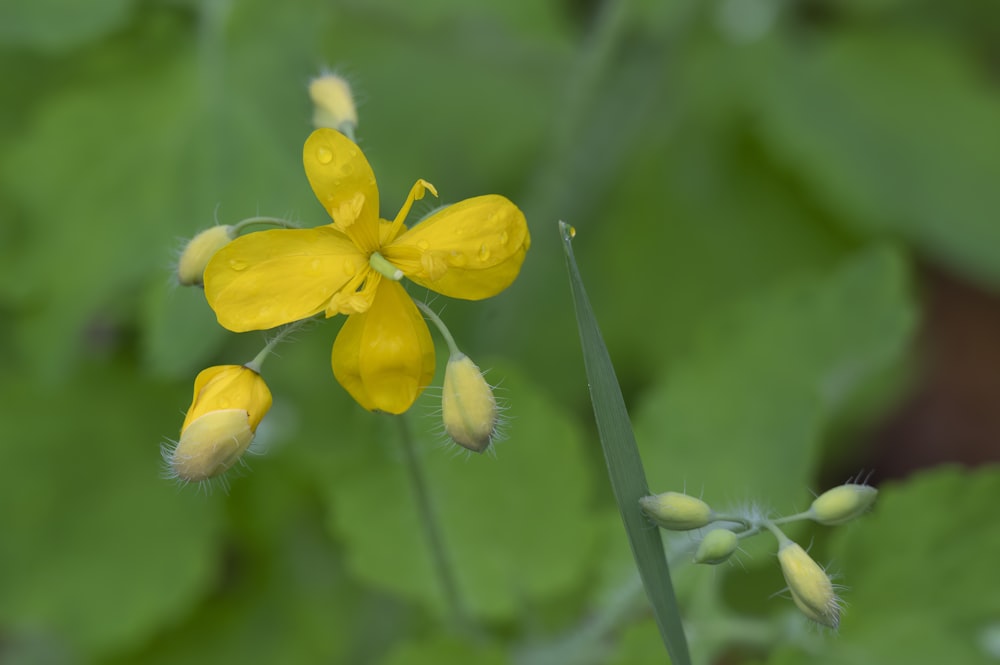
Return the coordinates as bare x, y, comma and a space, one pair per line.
716, 547
199, 250
842, 504
333, 104
229, 403
468, 407
809, 585
676, 511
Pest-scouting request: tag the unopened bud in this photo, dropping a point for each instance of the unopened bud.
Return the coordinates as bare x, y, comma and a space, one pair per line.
716, 547
842, 504
468, 407
809, 585
199, 250
333, 104
676, 511
229, 403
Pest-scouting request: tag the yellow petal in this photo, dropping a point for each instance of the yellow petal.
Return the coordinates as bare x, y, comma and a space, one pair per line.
270, 278
385, 357
229, 387
344, 183
472, 250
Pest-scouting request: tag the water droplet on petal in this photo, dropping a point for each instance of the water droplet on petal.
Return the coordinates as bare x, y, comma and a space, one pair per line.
324, 155
484, 252
423, 245
504, 238
237, 264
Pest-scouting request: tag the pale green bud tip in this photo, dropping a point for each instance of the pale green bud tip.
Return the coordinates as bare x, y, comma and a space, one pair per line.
676, 511
199, 251
211, 444
333, 103
468, 407
716, 547
809, 585
842, 504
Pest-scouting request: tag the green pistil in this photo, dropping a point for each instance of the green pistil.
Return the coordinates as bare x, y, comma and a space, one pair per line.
382, 266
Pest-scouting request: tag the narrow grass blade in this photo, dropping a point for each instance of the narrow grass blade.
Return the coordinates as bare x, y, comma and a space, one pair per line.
628, 479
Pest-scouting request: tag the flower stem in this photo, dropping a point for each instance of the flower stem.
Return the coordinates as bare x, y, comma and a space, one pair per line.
442, 328
269, 221
432, 531
283, 332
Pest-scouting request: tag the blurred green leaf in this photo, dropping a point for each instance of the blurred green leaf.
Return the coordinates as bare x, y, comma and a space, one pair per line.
284, 597
182, 331
512, 536
896, 132
59, 25
920, 574
746, 408
97, 550
440, 650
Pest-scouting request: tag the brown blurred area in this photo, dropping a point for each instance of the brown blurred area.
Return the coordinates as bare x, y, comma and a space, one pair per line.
953, 412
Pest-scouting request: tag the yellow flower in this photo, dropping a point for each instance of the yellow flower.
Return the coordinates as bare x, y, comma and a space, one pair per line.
383, 355
229, 402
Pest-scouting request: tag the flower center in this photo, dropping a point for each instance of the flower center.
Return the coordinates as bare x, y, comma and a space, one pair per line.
382, 266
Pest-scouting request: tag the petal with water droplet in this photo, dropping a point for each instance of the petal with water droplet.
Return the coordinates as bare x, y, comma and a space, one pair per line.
471, 250
270, 278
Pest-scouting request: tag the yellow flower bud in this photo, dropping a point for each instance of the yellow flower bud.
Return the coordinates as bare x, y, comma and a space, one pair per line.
716, 547
842, 504
468, 407
676, 511
810, 586
333, 104
229, 402
199, 251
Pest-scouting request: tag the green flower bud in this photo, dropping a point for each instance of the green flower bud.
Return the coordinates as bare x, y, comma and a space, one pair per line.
842, 504
468, 407
198, 252
716, 547
333, 103
809, 584
676, 511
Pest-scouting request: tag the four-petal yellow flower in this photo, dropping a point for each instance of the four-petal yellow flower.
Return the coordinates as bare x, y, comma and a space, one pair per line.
383, 355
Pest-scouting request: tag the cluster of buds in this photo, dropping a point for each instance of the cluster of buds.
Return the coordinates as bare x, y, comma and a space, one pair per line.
810, 587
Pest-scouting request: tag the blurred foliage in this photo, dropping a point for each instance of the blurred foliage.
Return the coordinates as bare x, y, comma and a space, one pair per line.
758, 187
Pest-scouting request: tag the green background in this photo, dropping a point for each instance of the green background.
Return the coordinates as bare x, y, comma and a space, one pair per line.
788, 220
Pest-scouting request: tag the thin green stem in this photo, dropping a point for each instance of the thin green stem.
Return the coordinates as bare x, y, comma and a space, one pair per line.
238, 227
778, 533
805, 515
432, 531
442, 328
282, 333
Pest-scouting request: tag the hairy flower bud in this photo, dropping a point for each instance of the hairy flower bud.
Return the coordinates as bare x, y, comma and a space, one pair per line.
676, 511
333, 104
809, 585
198, 252
716, 547
842, 504
229, 402
468, 407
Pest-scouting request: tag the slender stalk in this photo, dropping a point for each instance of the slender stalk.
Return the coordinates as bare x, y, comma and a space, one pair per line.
432, 531
270, 221
439, 324
283, 332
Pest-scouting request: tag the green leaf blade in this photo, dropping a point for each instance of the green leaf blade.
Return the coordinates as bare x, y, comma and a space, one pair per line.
625, 470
